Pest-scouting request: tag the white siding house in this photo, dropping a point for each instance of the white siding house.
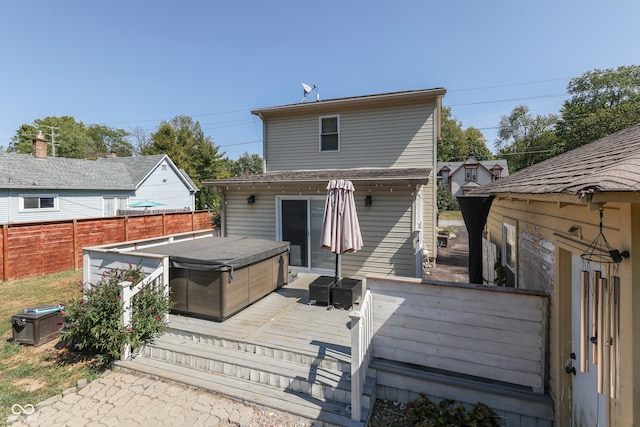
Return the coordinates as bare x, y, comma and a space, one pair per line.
463, 177
54, 188
385, 144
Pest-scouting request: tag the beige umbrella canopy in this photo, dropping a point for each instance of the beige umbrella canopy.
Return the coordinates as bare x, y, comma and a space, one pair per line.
340, 226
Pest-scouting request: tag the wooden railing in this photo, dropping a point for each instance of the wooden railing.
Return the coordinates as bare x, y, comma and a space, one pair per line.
159, 279
361, 335
494, 333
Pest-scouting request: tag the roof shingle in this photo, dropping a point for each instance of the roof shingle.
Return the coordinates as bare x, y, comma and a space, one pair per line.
609, 164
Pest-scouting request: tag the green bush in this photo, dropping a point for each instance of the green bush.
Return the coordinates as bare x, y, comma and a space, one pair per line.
422, 412
445, 200
93, 324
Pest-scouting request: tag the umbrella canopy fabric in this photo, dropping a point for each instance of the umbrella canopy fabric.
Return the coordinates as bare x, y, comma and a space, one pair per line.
340, 226
145, 204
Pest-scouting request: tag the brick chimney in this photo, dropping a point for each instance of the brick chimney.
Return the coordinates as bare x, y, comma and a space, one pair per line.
39, 147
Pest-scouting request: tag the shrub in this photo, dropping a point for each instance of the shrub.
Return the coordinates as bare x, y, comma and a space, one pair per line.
445, 200
93, 324
422, 412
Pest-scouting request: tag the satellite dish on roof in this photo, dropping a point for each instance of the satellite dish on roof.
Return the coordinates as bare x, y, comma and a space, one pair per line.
307, 90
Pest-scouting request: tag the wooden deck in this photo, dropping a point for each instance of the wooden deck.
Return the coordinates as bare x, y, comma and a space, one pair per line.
280, 352
284, 320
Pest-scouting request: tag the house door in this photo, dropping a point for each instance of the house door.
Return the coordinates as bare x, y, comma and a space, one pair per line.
588, 406
299, 222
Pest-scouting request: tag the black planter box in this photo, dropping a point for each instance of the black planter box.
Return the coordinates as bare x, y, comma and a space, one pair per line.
320, 289
346, 292
36, 329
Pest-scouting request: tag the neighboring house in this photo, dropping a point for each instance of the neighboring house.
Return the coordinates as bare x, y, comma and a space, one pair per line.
385, 144
462, 177
34, 187
570, 226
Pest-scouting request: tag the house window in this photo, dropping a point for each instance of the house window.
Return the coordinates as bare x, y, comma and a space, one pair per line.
112, 204
330, 133
39, 202
509, 252
471, 174
445, 177
496, 174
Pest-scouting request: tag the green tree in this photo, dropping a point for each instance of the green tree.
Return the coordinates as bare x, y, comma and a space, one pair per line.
456, 143
602, 102
247, 164
109, 140
183, 140
69, 138
525, 139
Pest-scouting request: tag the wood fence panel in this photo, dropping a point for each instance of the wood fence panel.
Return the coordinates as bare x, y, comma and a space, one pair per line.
34, 249
179, 223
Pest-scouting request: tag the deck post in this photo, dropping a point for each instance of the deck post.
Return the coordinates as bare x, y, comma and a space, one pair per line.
361, 335
126, 294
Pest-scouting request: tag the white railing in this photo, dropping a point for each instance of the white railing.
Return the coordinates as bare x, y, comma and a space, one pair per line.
159, 279
361, 336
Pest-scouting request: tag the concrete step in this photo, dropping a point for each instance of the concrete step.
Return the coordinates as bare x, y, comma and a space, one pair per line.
282, 372
322, 411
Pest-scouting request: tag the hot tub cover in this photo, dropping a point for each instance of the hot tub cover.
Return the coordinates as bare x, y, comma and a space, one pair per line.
216, 253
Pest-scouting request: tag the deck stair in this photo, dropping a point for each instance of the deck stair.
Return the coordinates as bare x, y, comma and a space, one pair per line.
307, 382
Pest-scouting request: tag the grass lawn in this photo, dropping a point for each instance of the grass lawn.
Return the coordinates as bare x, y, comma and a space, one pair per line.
32, 374
451, 215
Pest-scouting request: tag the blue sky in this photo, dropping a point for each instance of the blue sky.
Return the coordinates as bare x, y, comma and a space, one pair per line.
127, 63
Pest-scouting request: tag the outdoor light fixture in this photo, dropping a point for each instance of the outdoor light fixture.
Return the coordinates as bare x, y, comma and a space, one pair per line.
251, 199
367, 201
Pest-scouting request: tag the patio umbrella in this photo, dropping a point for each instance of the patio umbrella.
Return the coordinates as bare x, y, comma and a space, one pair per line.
145, 204
340, 226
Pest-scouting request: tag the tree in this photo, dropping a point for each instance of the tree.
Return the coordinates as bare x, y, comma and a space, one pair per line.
525, 139
455, 144
247, 164
109, 140
69, 138
603, 102
183, 140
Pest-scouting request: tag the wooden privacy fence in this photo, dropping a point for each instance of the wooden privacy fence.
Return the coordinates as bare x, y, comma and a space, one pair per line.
35, 249
499, 334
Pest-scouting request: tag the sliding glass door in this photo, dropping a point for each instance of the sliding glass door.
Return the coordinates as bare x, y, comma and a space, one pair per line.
299, 222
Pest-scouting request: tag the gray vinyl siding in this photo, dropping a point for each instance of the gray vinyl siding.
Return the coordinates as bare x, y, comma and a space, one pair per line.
71, 204
386, 226
399, 136
166, 187
257, 220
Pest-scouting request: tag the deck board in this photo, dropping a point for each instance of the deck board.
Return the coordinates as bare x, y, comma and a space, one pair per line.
283, 319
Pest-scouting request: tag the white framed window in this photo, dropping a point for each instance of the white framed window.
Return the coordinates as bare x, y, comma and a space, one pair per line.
329, 133
38, 202
510, 252
471, 174
111, 205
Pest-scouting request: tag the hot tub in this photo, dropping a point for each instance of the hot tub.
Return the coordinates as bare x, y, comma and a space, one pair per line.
217, 277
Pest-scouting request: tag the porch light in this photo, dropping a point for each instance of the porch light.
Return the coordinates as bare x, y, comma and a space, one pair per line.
368, 201
251, 199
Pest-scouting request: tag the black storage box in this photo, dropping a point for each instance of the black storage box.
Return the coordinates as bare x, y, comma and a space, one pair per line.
320, 289
346, 292
36, 329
